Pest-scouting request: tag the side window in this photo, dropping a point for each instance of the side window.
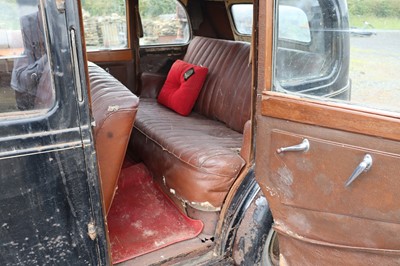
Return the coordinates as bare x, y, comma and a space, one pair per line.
327, 50
164, 22
25, 78
242, 16
375, 53
308, 53
105, 24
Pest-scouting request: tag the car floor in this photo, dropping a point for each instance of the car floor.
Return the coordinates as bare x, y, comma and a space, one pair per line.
142, 219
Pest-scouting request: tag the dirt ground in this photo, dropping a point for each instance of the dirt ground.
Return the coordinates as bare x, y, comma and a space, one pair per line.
375, 70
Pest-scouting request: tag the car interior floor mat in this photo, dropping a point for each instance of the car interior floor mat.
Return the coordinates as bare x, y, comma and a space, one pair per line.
143, 219
128, 161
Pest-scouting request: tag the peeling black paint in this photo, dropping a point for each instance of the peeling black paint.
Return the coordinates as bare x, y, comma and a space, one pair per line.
49, 190
246, 225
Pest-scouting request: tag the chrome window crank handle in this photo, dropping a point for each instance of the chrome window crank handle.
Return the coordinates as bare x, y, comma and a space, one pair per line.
364, 166
304, 146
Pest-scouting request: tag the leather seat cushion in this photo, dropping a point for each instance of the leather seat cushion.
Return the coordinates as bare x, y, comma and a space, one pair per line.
195, 157
114, 109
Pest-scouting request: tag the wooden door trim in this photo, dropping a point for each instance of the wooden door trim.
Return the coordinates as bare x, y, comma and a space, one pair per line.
110, 56
331, 115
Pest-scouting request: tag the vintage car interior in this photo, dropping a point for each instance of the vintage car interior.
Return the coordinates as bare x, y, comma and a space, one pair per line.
159, 159
198, 132
197, 157
184, 164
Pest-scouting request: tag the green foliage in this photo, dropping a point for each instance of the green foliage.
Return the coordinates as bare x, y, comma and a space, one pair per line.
104, 7
154, 8
379, 8
388, 23
148, 8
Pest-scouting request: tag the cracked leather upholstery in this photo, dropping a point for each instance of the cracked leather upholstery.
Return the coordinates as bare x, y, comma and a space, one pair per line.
114, 108
197, 158
226, 93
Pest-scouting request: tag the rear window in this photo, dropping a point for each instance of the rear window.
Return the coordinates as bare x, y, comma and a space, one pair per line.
164, 23
293, 24
242, 15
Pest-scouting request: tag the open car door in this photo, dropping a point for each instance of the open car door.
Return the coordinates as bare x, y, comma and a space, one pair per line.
329, 168
50, 205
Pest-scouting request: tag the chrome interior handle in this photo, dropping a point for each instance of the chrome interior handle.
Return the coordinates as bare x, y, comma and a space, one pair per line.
364, 166
304, 146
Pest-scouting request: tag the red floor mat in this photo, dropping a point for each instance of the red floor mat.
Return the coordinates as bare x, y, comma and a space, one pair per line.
128, 161
143, 219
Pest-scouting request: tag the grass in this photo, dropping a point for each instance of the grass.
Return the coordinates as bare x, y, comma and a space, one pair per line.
387, 23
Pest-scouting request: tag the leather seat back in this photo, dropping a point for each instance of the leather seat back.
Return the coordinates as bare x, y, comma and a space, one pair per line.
114, 109
226, 93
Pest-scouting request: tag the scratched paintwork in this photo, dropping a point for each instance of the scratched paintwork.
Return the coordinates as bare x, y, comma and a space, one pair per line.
49, 191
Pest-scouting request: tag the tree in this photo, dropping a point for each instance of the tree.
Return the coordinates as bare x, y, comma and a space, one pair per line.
104, 7
154, 8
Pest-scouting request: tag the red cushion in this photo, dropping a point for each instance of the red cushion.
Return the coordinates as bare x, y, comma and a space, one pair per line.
179, 94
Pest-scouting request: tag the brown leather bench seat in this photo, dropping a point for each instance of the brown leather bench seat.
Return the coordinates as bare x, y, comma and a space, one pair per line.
198, 157
114, 109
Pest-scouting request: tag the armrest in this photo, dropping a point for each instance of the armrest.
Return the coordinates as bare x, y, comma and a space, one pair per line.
151, 84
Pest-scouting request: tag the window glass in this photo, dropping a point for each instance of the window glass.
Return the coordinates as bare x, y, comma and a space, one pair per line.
242, 15
164, 22
375, 53
353, 53
293, 24
305, 54
105, 24
25, 78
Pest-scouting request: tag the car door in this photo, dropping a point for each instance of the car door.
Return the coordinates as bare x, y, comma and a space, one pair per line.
50, 206
329, 168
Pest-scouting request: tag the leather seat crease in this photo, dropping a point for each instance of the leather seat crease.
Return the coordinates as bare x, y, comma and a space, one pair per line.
198, 157
114, 109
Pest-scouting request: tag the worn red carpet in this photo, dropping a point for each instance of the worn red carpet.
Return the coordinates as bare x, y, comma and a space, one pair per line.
143, 219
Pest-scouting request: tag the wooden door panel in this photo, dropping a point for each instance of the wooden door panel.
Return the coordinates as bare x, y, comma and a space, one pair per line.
311, 253
122, 71
120, 64
321, 173
160, 59
309, 201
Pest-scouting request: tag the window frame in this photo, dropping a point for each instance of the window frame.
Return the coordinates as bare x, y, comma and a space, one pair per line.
116, 54
233, 24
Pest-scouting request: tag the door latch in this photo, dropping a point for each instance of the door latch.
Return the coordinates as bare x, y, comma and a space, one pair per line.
364, 166
304, 147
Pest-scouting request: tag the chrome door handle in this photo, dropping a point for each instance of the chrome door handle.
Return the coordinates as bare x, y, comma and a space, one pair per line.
304, 146
364, 166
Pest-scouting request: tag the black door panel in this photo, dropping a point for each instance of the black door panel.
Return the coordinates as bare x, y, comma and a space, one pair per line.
49, 190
